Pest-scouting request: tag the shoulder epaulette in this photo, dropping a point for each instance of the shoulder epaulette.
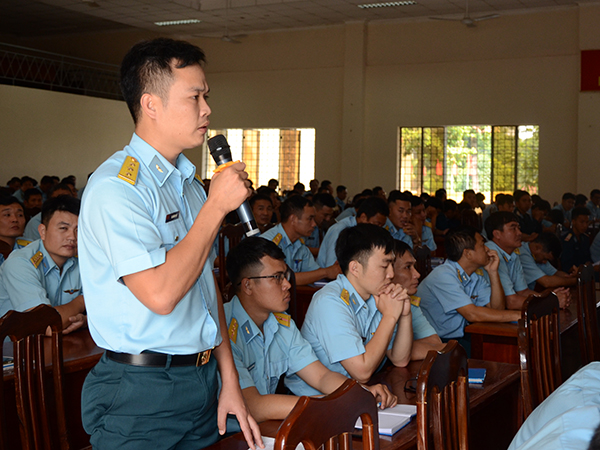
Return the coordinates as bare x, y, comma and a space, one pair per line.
283, 319
23, 242
277, 238
302, 241
129, 170
36, 259
479, 272
428, 224
197, 177
518, 251
415, 301
568, 237
345, 296
233, 330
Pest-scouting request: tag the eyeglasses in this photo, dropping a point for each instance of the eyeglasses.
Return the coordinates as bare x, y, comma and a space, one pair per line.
278, 277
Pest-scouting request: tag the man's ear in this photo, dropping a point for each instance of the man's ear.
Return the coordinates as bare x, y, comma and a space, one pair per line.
496, 234
354, 268
246, 286
42, 231
148, 104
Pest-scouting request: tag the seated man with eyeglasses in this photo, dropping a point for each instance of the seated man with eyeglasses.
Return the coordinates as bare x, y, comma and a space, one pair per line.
356, 321
265, 341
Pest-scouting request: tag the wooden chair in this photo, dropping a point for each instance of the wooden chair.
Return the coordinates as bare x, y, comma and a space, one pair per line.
443, 400
423, 264
587, 316
539, 349
330, 420
41, 414
234, 235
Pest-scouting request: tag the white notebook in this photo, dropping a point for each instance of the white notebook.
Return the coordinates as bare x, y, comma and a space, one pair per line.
392, 419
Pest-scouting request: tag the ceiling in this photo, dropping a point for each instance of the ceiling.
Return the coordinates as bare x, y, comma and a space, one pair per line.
39, 18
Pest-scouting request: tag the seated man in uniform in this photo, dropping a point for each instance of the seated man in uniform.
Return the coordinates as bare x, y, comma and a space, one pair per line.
12, 224
340, 198
372, 210
535, 258
566, 207
32, 228
32, 202
399, 222
324, 204
458, 291
356, 321
575, 241
264, 340
297, 222
47, 270
419, 221
406, 275
529, 227
262, 209
594, 205
503, 230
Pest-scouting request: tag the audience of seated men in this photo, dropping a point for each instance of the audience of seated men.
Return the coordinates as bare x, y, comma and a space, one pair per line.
12, 224
459, 291
32, 228
262, 209
32, 203
47, 270
373, 210
535, 257
26, 183
407, 276
469, 199
264, 339
529, 228
298, 222
13, 185
341, 193
503, 230
399, 222
566, 207
356, 321
352, 208
419, 221
575, 241
324, 205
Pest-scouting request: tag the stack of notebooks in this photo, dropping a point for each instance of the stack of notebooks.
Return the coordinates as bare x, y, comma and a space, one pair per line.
393, 419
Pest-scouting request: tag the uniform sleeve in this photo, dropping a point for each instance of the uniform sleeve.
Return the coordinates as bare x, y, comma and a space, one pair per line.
120, 220
548, 268
326, 255
448, 291
519, 276
427, 239
531, 270
507, 283
308, 263
300, 353
245, 378
421, 326
23, 284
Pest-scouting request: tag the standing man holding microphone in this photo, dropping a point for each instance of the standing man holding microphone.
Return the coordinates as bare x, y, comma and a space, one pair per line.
145, 237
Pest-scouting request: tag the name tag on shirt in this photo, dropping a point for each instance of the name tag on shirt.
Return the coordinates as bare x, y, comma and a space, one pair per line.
172, 216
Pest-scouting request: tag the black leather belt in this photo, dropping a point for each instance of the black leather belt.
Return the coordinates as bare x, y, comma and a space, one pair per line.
160, 359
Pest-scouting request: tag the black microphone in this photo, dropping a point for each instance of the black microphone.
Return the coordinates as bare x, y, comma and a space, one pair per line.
221, 153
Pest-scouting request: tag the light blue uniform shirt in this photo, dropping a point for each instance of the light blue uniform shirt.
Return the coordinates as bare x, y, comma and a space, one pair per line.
398, 233
261, 358
340, 203
594, 210
338, 325
510, 270
532, 270
566, 420
297, 255
327, 255
19, 244
447, 288
421, 326
31, 229
314, 240
19, 195
28, 280
127, 228
348, 212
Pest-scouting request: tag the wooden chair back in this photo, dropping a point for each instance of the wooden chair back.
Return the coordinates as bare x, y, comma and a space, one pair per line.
234, 234
539, 349
41, 414
330, 421
443, 400
423, 264
587, 316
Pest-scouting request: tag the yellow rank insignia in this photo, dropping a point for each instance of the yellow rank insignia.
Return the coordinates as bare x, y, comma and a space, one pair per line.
23, 242
302, 240
479, 272
345, 296
505, 258
283, 319
415, 301
428, 224
459, 275
233, 330
129, 170
197, 177
277, 238
517, 251
568, 238
36, 259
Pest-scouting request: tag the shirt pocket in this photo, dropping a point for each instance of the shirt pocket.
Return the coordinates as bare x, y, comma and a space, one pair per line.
276, 369
172, 232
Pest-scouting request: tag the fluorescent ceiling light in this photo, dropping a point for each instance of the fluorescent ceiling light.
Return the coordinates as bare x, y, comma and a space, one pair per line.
177, 22
387, 4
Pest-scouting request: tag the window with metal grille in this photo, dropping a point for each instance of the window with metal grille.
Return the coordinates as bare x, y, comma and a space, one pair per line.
286, 154
490, 159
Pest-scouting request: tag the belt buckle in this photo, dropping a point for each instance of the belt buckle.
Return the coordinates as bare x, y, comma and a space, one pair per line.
203, 357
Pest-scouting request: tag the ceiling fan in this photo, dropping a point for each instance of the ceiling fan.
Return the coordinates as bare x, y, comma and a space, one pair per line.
232, 39
467, 19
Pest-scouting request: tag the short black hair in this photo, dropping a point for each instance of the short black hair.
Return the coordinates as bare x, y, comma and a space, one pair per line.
416, 201
300, 186
594, 192
64, 203
340, 188
449, 205
396, 195
440, 193
323, 199
433, 202
26, 178
460, 239
357, 244
468, 191
244, 259
504, 199
371, 206
556, 216
265, 190
518, 194
9, 200
497, 220
401, 247
29, 192
147, 67
579, 211
258, 197
580, 200
568, 196
542, 205
59, 187
325, 183
293, 205
550, 243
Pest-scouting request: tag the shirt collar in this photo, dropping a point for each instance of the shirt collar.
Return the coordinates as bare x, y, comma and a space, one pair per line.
463, 277
48, 263
501, 253
354, 298
248, 328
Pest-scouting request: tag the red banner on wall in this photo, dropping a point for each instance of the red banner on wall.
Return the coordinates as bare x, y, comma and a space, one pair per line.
590, 70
